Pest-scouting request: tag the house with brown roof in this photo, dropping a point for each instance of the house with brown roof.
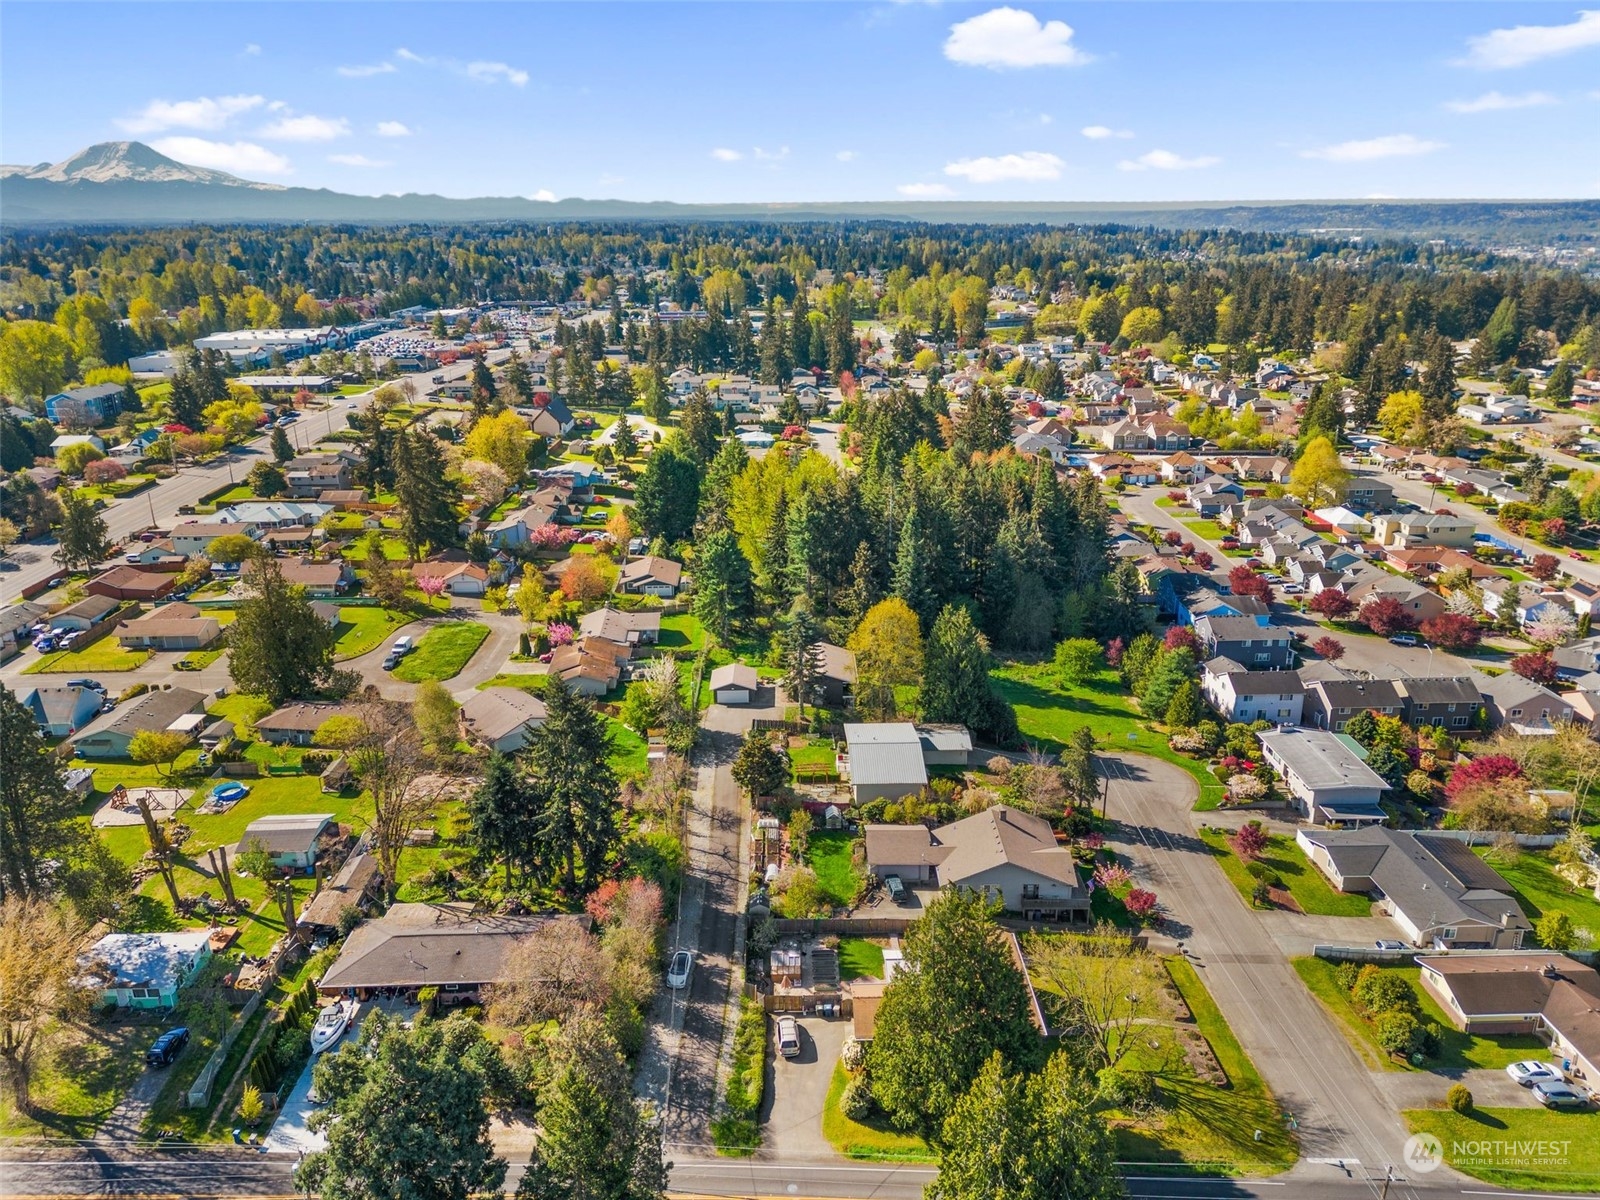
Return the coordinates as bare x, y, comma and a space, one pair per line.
320, 579
296, 724
1182, 467
1538, 992
461, 578
651, 576
130, 583
170, 627
615, 625
591, 666
502, 718
1009, 853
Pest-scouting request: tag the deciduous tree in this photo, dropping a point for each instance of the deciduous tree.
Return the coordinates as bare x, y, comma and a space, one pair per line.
888, 649
41, 984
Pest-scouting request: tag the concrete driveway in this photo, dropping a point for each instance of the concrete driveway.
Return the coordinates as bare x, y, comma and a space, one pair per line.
797, 1089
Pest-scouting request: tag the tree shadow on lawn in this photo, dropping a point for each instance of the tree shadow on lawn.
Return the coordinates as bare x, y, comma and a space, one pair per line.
1229, 1115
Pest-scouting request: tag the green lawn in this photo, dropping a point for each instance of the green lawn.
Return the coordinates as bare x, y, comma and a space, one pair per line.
860, 958
1541, 890
83, 1074
874, 1141
1048, 713
629, 751
362, 629
816, 759
528, 682
1209, 530
1457, 1051
682, 631
1464, 1135
198, 659
104, 655
442, 652
393, 548
829, 856
1204, 1126
1305, 883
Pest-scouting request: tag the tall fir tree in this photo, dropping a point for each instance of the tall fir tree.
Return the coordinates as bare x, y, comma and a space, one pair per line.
574, 788
425, 496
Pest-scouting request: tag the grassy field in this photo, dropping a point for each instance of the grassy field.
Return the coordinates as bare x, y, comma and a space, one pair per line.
1541, 890
1578, 1168
104, 655
1209, 530
875, 1141
1206, 1126
1457, 1051
829, 856
83, 1074
442, 652
682, 631
629, 751
814, 760
362, 629
860, 958
1305, 883
1048, 713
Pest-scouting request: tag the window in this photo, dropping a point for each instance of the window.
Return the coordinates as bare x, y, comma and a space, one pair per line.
1438, 721
1515, 712
1263, 657
1030, 891
1448, 933
1450, 708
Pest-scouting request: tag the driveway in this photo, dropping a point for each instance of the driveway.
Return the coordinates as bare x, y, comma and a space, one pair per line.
126, 1121
1426, 1089
797, 1089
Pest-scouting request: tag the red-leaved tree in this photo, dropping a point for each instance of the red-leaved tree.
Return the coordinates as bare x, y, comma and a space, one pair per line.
1452, 631
1475, 772
1249, 841
1181, 635
1543, 567
1172, 537
1330, 648
1385, 615
1242, 581
1203, 560
1140, 903
1538, 668
1331, 603
1555, 530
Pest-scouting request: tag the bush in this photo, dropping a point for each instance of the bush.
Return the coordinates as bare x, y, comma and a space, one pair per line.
1399, 1033
315, 762
1459, 1098
857, 1103
1265, 874
1346, 974
1379, 992
129, 693
428, 999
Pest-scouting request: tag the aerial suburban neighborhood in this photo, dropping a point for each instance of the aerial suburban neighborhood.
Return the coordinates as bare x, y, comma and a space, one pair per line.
964, 697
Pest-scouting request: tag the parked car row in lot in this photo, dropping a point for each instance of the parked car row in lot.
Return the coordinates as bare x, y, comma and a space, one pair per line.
1549, 1085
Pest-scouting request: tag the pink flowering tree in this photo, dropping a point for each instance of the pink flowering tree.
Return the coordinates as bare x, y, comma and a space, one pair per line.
1140, 903
104, 470
552, 537
1112, 876
560, 634
430, 586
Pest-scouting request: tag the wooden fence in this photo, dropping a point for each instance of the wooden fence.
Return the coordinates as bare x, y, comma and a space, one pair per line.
847, 926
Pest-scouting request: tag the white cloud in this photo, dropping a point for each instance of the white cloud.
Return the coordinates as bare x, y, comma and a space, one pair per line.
1166, 160
846, 156
1008, 38
1524, 44
203, 112
544, 196
726, 154
251, 50
1498, 102
778, 155
1394, 145
1031, 165
357, 160
393, 129
307, 128
923, 191
1099, 133
239, 158
478, 71
367, 70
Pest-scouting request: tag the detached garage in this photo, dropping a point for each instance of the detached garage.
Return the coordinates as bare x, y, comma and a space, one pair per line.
734, 683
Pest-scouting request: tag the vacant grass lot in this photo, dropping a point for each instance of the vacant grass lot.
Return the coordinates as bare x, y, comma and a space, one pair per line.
104, 655
362, 629
860, 958
829, 856
442, 652
82, 1076
1541, 890
1457, 1051
1306, 884
1578, 1132
1047, 713
873, 1141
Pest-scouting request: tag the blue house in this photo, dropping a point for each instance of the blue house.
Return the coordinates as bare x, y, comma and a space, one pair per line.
61, 711
97, 405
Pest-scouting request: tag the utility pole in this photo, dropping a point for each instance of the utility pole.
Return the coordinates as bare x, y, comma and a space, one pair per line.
1388, 1178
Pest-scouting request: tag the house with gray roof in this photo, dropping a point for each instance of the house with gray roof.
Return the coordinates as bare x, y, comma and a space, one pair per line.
145, 970
502, 718
1249, 696
1009, 853
624, 628
291, 838
1440, 894
1243, 639
61, 711
1538, 993
1446, 702
1327, 778
1330, 703
156, 710
883, 760
1525, 706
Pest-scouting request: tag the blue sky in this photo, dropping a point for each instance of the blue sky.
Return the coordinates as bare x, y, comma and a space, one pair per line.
827, 101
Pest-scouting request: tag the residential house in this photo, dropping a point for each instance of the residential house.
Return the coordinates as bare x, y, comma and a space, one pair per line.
883, 760
1163, 432
1584, 598
320, 579
291, 838
650, 576
1446, 702
459, 576
1440, 894
1409, 529
1248, 696
192, 539
517, 528
136, 447
1524, 706
1258, 647
1006, 853
297, 724
1330, 703
98, 404
449, 946
312, 474
734, 683
1369, 493
1577, 659
615, 625
1182, 468
502, 718
130, 583
1422, 604
591, 666
1327, 779
552, 419
61, 443
86, 614
145, 970
61, 711
356, 884
1535, 993
834, 684
170, 627
158, 711
16, 624
1213, 494
270, 514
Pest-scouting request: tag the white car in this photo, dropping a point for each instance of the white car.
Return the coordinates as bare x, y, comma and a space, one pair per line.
1529, 1072
679, 970
788, 1037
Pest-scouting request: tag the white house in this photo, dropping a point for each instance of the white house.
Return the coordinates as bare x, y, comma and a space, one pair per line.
145, 970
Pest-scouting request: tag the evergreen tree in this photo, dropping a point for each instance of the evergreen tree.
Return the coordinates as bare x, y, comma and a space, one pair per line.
722, 584
716, 488
501, 818
863, 591
625, 440
668, 492
81, 536
913, 581
282, 451
1500, 336
425, 496
985, 424
518, 379
38, 816
573, 786
280, 647
700, 428
774, 348
183, 401
799, 652
955, 677
1559, 385
1439, 376
759, 769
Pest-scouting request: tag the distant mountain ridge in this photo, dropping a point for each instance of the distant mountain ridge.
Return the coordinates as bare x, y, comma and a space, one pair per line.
123, 183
